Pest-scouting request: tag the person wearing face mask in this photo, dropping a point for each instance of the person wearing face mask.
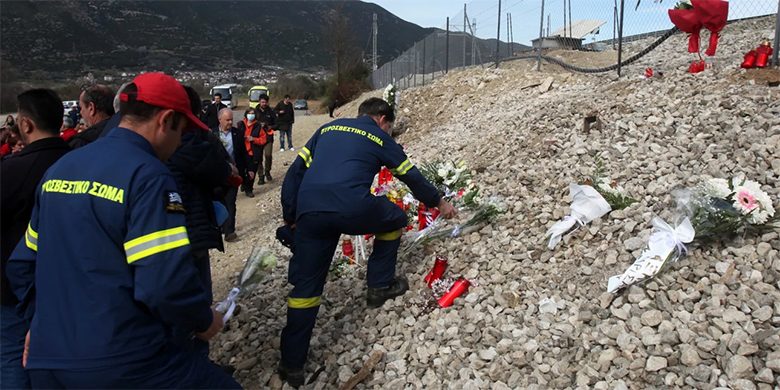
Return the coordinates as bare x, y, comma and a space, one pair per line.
326, 193
104, 271
39, 121
254, 141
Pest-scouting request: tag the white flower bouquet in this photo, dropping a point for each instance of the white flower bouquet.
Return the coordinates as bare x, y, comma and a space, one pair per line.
718, 209
259, 263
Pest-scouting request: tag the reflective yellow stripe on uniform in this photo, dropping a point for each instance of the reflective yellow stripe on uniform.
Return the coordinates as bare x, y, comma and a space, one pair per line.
389, 236
303, 303
305, 154
403, 168
31, 238
156, 242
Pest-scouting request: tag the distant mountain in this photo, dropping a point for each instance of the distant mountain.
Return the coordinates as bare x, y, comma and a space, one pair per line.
78, 36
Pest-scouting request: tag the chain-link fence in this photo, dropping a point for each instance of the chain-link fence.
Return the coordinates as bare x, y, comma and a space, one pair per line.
478, 34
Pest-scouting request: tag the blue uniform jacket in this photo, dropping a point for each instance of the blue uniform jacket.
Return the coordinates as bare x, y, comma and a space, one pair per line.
104, 270
335, 170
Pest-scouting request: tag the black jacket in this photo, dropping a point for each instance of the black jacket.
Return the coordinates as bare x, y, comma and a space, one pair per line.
211, 116
284, 118
89, 135
268, 116
239, 156
19, 178
200, 169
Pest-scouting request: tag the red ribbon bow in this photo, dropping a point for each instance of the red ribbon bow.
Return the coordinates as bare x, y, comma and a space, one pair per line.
709, 14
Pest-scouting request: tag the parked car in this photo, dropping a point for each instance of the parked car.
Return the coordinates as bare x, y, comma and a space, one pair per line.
301, 104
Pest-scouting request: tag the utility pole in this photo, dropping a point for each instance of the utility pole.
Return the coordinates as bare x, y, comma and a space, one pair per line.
374, 32
511, 36
447, 48
570, 20
548, 25
564, 18
498, 32
541, 30
465, 21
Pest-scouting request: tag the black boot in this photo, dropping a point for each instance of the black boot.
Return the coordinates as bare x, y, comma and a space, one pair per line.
376, 297
268, 177
293, 378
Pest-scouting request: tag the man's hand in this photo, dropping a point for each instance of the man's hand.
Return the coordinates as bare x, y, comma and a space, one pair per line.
233, 169
251, 175
216, 326
446, 209
250, 138
26, 352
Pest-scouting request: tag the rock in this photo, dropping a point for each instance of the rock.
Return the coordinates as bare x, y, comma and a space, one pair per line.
763, 248
634, 243
738, 367
655, 363
651, 318
246, 364
546, 84
488, 354
547, 306
764, 313
344, 374
773, 364
765, 375
734, 315
689, 356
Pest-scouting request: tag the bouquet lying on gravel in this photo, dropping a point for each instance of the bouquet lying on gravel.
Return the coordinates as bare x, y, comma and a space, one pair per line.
390, 95
259, 263
718, 209
481, 214
591, 199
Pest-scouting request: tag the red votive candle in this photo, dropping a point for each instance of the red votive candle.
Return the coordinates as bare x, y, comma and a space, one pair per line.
439, 266
458, 288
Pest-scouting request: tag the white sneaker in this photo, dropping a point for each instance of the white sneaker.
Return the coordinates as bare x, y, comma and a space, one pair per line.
281, 150
291, 148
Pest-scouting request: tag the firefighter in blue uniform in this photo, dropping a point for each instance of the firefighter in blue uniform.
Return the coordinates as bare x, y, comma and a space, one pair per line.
326, 193
104, 271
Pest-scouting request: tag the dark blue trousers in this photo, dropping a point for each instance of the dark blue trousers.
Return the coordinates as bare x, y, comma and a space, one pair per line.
316, 238
13, 330
170, 368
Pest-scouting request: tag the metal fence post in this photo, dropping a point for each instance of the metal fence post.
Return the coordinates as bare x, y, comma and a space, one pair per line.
415, 65
620, 37
541, 40
498, 32
777, 36
423, 62
447, 48
433, 57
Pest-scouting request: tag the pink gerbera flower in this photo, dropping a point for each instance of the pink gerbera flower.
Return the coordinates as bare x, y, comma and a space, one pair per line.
746, 200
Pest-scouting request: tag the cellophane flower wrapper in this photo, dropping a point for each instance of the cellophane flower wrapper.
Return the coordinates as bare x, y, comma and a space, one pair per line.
259, 263
481, 215
587, 204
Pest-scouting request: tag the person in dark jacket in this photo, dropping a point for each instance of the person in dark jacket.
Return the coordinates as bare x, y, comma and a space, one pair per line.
233, 142
326, 193
200, 169
266, 115
97, 106
40, 118
285, 117
211, 116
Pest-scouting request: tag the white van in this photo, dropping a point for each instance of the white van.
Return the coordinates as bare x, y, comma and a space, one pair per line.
226, 90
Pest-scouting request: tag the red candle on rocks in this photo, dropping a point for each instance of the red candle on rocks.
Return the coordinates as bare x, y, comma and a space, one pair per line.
762, 54
348, 250
458, 288
439, 266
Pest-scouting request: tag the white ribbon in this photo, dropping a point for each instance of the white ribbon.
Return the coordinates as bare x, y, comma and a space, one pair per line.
660, 246
228, 306
586, 205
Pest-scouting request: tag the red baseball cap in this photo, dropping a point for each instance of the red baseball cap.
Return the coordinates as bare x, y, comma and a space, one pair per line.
160, 90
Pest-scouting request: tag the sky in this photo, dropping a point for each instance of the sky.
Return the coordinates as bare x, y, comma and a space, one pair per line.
526, 14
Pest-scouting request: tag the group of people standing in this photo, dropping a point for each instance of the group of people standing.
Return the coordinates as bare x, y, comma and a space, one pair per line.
251, 141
